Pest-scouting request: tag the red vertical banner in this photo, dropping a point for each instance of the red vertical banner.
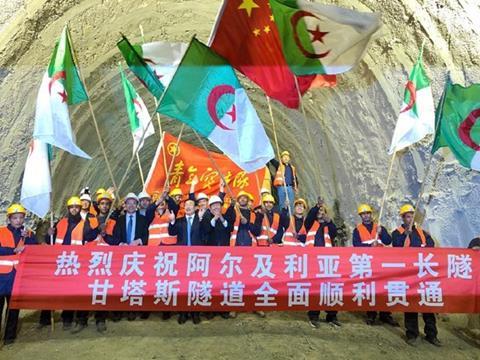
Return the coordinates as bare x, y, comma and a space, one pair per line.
246, 279
191, 161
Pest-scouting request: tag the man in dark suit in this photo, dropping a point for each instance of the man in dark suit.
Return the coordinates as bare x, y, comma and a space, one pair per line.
189, 230
131, 229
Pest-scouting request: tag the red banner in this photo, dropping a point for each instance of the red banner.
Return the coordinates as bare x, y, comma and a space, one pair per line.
248, 278
191, 161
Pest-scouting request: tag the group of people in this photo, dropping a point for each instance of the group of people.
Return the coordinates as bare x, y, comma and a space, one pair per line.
199, 220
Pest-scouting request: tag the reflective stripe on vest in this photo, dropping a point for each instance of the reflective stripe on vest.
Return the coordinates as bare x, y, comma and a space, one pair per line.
280, 174
313, 231
367, 237
420, 232
7, 262
158, 231
76, 237
268, 230
233, 235
289, 239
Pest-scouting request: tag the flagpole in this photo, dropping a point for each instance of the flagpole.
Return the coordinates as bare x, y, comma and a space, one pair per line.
263, 208
382, 205
156, 105
140, 170
52, 223
167, 180
95, 123
215, 165
278, 154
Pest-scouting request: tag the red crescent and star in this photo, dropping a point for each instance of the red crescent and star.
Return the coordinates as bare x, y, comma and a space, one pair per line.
465, 128
56, 77
213, 98
410, 87
317, 34
150, 61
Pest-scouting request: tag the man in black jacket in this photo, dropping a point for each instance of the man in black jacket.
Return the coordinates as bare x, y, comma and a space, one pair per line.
131, 228
218, 226
189, 230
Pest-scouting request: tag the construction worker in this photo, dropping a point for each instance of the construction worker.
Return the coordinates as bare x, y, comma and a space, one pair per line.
295, 232
158, 229
174, 202
246, 226
73, 230
321, 232
285, 180
144, 201
368, 234
13, 239
410, 235
273, 223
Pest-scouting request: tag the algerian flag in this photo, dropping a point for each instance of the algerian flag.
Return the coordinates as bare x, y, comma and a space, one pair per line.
153, 63
36, 183
417, 117
322, 39
457, 124
140, 121
61, 86
205, 94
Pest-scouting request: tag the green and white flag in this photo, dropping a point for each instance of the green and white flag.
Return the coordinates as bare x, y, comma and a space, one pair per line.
61, 86
458, 125
153, 63
417, 117
206, 95
140, 120
322, 39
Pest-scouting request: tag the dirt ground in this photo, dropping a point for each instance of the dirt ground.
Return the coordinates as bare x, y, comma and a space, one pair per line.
278, 336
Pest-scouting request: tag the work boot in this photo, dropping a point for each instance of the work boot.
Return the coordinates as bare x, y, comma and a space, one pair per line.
145, 315
131, 316
413, 341
260, 314
78, 328
7, 342
334, 323
101, 326
225, 315
166, 315
370, 321
182, 318
196, 318
390, 321
434, 341
209, 315
314, 323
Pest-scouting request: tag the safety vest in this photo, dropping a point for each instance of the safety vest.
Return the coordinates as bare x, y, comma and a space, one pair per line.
76, 238
100, 241
268, 230
420, 232
233, 235
158, 231
280, 175
313, 231
7, 262
289, 239
367, 237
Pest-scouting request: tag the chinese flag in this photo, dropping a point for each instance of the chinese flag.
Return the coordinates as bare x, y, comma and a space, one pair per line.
246, 35
190, 161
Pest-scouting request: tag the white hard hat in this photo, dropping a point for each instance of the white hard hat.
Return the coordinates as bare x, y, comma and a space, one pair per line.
202, 196
214, 199
131, 196
144, 195
86, 197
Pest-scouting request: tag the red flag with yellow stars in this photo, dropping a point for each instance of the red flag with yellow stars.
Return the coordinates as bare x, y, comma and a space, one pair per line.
246, 35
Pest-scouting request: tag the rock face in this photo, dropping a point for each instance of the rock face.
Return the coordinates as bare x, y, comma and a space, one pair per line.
350, 127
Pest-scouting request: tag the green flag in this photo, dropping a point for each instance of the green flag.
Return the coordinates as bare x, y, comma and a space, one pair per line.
456, 123
136, 63
322, 39
140, 121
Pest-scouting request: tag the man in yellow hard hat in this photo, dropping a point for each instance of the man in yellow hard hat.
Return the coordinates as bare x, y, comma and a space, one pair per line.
13, 239
73, 230
295, 232
367, 234
246, 226
410, 235
273, 223
285, 179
